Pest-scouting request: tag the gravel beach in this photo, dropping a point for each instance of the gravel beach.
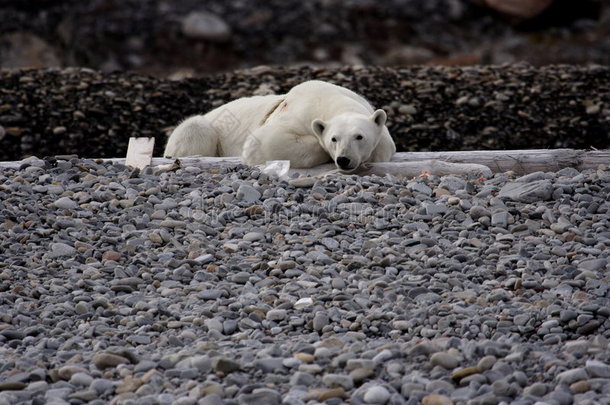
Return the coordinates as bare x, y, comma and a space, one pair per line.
193, 287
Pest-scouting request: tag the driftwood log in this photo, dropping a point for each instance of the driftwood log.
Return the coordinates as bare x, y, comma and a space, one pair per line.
518, 161
411, 164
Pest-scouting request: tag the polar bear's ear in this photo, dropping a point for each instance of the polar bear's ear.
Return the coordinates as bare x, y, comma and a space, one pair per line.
318, 126
379, 117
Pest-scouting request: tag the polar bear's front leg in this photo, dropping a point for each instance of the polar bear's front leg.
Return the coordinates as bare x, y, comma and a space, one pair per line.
272, 142
252, 153
195, 136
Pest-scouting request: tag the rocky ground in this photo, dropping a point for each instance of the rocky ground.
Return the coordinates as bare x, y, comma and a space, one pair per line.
191, 287
192, 37
93, 114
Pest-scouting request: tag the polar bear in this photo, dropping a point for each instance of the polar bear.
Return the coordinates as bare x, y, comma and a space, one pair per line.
314, 123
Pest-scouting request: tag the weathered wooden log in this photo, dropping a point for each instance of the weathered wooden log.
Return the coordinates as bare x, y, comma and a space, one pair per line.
413, 163
139, 152
518, 161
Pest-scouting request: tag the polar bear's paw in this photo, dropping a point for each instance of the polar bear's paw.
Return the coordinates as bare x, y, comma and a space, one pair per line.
252, 153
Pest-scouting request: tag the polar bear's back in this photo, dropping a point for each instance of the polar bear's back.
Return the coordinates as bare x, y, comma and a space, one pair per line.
236, 120
331, 99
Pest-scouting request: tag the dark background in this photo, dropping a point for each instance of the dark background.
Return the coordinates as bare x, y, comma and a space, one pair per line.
148, 36
452, 74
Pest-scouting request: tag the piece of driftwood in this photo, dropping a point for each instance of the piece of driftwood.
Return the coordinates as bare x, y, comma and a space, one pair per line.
518, 161
413, 163
139, 152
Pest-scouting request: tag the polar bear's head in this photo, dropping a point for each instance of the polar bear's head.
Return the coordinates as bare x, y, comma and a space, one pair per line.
350, 138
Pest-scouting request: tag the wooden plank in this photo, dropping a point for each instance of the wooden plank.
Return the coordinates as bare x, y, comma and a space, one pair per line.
139, 152
519, 161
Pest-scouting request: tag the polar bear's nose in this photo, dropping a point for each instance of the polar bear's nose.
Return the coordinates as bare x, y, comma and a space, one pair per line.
343, 162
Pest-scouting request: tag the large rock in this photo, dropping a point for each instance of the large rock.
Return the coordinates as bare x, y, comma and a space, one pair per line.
25, 50
206, 26
540, 190
247, 193
518, 8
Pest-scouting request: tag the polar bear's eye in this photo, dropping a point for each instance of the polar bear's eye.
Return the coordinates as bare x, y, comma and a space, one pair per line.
333, 139
359, 137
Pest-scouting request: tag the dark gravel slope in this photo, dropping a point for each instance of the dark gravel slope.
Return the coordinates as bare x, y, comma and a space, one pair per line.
148, 35
84, 112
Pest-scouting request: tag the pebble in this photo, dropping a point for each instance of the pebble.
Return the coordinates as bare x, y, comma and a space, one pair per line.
111, 255
66, 203
560, 396
593, 264
214, 324
436, 399
323, 394
102, 386
210, 294
376, 394
461, 373
225, 365
81, 379
260, 396
276, 315
500, 219
270, 365
407, 109
338, 380
536, 389
61, 250
303, 303
478, 211
487, 362
206, 26
593, 109
597, 369
580, 387
360, 374
444, 360
12, 385
304, 357
107, 360
320, 320
66, 372
301, 378
212, 399
129, 384
571, 376
254, 236
248, 194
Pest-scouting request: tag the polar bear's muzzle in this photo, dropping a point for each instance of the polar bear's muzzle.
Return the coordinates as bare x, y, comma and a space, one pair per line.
345, 163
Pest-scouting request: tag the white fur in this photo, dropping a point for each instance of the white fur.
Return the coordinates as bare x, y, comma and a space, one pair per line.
298, 126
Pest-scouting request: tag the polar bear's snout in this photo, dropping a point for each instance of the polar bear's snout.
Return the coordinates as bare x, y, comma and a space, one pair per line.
348, 162
344, 163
